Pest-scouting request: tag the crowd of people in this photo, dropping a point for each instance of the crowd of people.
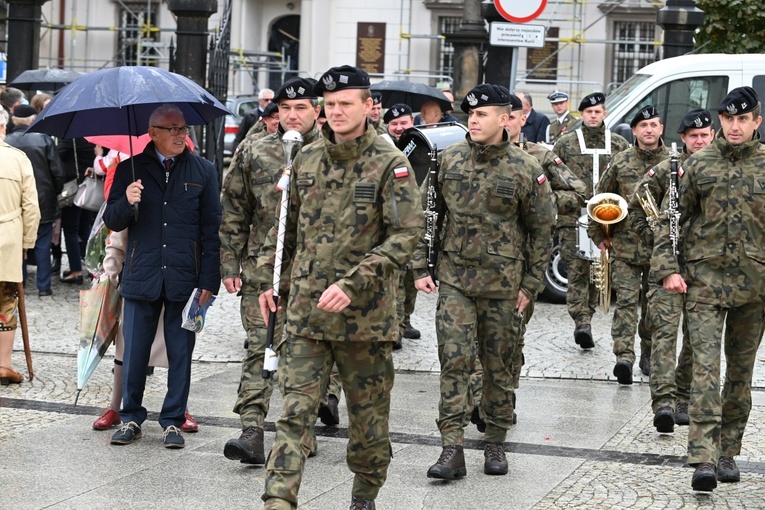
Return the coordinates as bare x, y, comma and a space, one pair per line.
352, 252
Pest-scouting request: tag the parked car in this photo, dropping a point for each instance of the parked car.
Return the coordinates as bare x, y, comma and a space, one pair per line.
240, 106
555, 277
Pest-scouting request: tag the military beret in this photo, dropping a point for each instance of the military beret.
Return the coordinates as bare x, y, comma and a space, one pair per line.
557, 97
645, 113
516, 103
341, 78
396, 111
739, 101
23, 111
486, 94
270, 109
322, 113
296, 88
376, 97
698, 118
591, 100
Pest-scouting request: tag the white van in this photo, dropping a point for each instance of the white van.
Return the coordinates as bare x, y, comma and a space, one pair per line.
677, 85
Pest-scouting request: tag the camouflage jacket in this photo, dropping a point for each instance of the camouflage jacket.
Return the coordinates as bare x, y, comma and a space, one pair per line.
380, 126
656, 181
722, 214
567, 147
258, 130
568, 190
250, 203
498, 215
621, 177
354, 219
556, 129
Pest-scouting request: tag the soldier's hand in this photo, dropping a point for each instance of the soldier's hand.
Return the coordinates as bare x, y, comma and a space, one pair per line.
267, 305
605, 245
675, 283
522, 303
133, 192
425, 284
233, 284
333, 299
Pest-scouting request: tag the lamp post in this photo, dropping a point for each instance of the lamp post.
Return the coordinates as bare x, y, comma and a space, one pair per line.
23, 36
192, 33
467, 42
679, 19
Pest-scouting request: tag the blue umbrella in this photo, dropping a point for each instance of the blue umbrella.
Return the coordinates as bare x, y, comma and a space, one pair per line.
119, 101
45, 79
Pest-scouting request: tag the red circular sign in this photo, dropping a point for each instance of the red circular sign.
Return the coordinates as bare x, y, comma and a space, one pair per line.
520, 12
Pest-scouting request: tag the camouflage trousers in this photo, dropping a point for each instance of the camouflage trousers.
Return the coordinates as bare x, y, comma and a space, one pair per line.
718, 421
670, 380
581, 296
470, 328
255, 392
366, 373
407, 296
631, 284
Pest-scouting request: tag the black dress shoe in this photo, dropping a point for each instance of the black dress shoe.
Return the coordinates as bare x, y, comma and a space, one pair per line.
72, 279
704, 478
623, 372
664, 420
46, 292
583, 336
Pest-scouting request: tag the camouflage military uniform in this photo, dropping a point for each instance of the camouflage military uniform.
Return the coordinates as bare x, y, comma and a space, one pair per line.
257, 131
581, 296
355, 217
494, 200
380, 127
250, 202
630, 255
722, 211
556, 129
670, 376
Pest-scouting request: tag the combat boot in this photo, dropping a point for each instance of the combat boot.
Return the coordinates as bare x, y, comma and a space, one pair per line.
329, 414
409, 331
664, 420
247, 448
583, 336
450, 465
681, 414
358, 503
623, 372
727, 470
645, 364
704, 478
475, 419
495, 461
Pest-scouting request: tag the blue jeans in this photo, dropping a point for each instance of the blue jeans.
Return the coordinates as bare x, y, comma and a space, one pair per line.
42, 254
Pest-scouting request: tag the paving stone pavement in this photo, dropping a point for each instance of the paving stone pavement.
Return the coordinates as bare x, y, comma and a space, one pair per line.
582, 441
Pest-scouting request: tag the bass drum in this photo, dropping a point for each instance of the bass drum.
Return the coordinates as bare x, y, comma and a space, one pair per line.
418, 142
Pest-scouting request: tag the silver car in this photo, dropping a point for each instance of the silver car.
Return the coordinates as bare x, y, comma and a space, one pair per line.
240, 106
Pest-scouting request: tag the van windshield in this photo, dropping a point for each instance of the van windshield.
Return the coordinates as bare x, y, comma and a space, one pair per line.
624, 90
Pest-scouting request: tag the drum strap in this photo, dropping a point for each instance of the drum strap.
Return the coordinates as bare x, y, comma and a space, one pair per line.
595, 154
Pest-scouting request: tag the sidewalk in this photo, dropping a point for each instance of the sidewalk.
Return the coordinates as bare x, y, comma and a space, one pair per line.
581, 439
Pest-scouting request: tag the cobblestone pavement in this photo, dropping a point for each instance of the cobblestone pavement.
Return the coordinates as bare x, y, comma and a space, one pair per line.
619, 461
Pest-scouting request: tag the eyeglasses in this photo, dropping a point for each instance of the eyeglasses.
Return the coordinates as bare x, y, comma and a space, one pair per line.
267, 99
175, 131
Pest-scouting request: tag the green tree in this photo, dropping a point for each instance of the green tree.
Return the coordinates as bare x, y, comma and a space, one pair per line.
731, 26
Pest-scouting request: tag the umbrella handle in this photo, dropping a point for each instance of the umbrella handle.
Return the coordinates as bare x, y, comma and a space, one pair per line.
135, 212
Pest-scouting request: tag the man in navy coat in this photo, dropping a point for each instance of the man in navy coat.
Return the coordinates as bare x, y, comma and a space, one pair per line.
172, 248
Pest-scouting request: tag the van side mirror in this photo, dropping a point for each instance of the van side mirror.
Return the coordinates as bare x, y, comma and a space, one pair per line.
624, 130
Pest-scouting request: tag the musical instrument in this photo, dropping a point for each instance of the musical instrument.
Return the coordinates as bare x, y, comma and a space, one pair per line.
431, 214
652, 213
673, 214
417, 144
291, 143
606, 209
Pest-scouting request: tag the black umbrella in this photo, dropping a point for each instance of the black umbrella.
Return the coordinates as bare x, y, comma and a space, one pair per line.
45, 79
410, 93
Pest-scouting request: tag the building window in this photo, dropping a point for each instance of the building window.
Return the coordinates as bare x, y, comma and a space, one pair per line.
447, 25
138, 40
636, 51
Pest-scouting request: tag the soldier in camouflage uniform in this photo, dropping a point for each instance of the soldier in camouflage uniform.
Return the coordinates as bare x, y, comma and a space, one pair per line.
630, 255
375, 114
250, 202
670, 376
355, 217
494, 200
564, 121
568, 192
398, 119
586, 152
722, 213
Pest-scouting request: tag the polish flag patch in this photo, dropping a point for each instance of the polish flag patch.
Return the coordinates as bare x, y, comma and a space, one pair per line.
651, 172
542, 178
400, 172
558, 161
680, 172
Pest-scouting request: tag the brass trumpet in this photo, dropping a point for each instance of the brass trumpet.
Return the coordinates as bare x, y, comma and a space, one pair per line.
652, 213
606, 209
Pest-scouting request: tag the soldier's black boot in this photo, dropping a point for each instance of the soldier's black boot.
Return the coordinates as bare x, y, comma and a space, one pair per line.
358, 503
623, 372
727, 470
704, 478
681, 414
495, 462
645, 364
247, 448
664, 420
329, 414
409, 331
583, 336
450, 465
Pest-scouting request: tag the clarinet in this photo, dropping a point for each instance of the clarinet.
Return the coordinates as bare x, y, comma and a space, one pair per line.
431, 214
673, 213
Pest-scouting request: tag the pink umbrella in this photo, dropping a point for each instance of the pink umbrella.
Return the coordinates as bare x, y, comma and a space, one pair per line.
121, 143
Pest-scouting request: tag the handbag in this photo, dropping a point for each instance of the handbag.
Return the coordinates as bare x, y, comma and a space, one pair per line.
66, 197
90, 195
